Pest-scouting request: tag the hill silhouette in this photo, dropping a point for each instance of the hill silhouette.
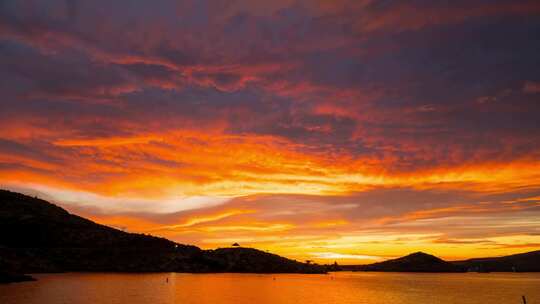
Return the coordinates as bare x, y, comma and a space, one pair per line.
423, 262
8, 277
522, 262
37, 236
415, 262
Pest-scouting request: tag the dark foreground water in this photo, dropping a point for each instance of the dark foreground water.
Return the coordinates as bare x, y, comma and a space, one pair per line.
344, 287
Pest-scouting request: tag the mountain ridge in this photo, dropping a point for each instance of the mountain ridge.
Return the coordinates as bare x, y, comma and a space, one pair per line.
420, 262
38, 236
414, 262
520, 262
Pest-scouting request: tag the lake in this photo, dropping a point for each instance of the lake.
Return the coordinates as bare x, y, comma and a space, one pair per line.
342, 287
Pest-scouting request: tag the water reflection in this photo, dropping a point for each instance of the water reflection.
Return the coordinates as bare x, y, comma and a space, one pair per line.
96, 288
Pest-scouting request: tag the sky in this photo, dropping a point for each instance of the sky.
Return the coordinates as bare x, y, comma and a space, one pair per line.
349, 131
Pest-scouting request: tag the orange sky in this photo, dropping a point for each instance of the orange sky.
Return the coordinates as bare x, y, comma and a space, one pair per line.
347, 131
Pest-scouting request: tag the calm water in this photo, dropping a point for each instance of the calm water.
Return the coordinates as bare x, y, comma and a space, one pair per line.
344, 287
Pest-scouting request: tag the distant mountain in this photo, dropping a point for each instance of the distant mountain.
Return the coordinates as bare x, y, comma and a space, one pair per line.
416, 262
37, 236
523, 262
422, 262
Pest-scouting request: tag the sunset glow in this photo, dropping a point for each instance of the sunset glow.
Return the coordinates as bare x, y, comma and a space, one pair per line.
349, 131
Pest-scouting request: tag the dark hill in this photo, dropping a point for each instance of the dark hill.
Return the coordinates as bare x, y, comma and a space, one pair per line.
249, 260
523, 262
6, 277
416, 262
31, 222
37, 236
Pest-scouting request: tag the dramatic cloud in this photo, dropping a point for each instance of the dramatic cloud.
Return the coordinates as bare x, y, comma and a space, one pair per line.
310, 128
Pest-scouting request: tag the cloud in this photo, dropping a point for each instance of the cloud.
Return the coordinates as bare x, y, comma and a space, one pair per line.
205, 219
531, 87
326, 119
341, 256
114, 205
